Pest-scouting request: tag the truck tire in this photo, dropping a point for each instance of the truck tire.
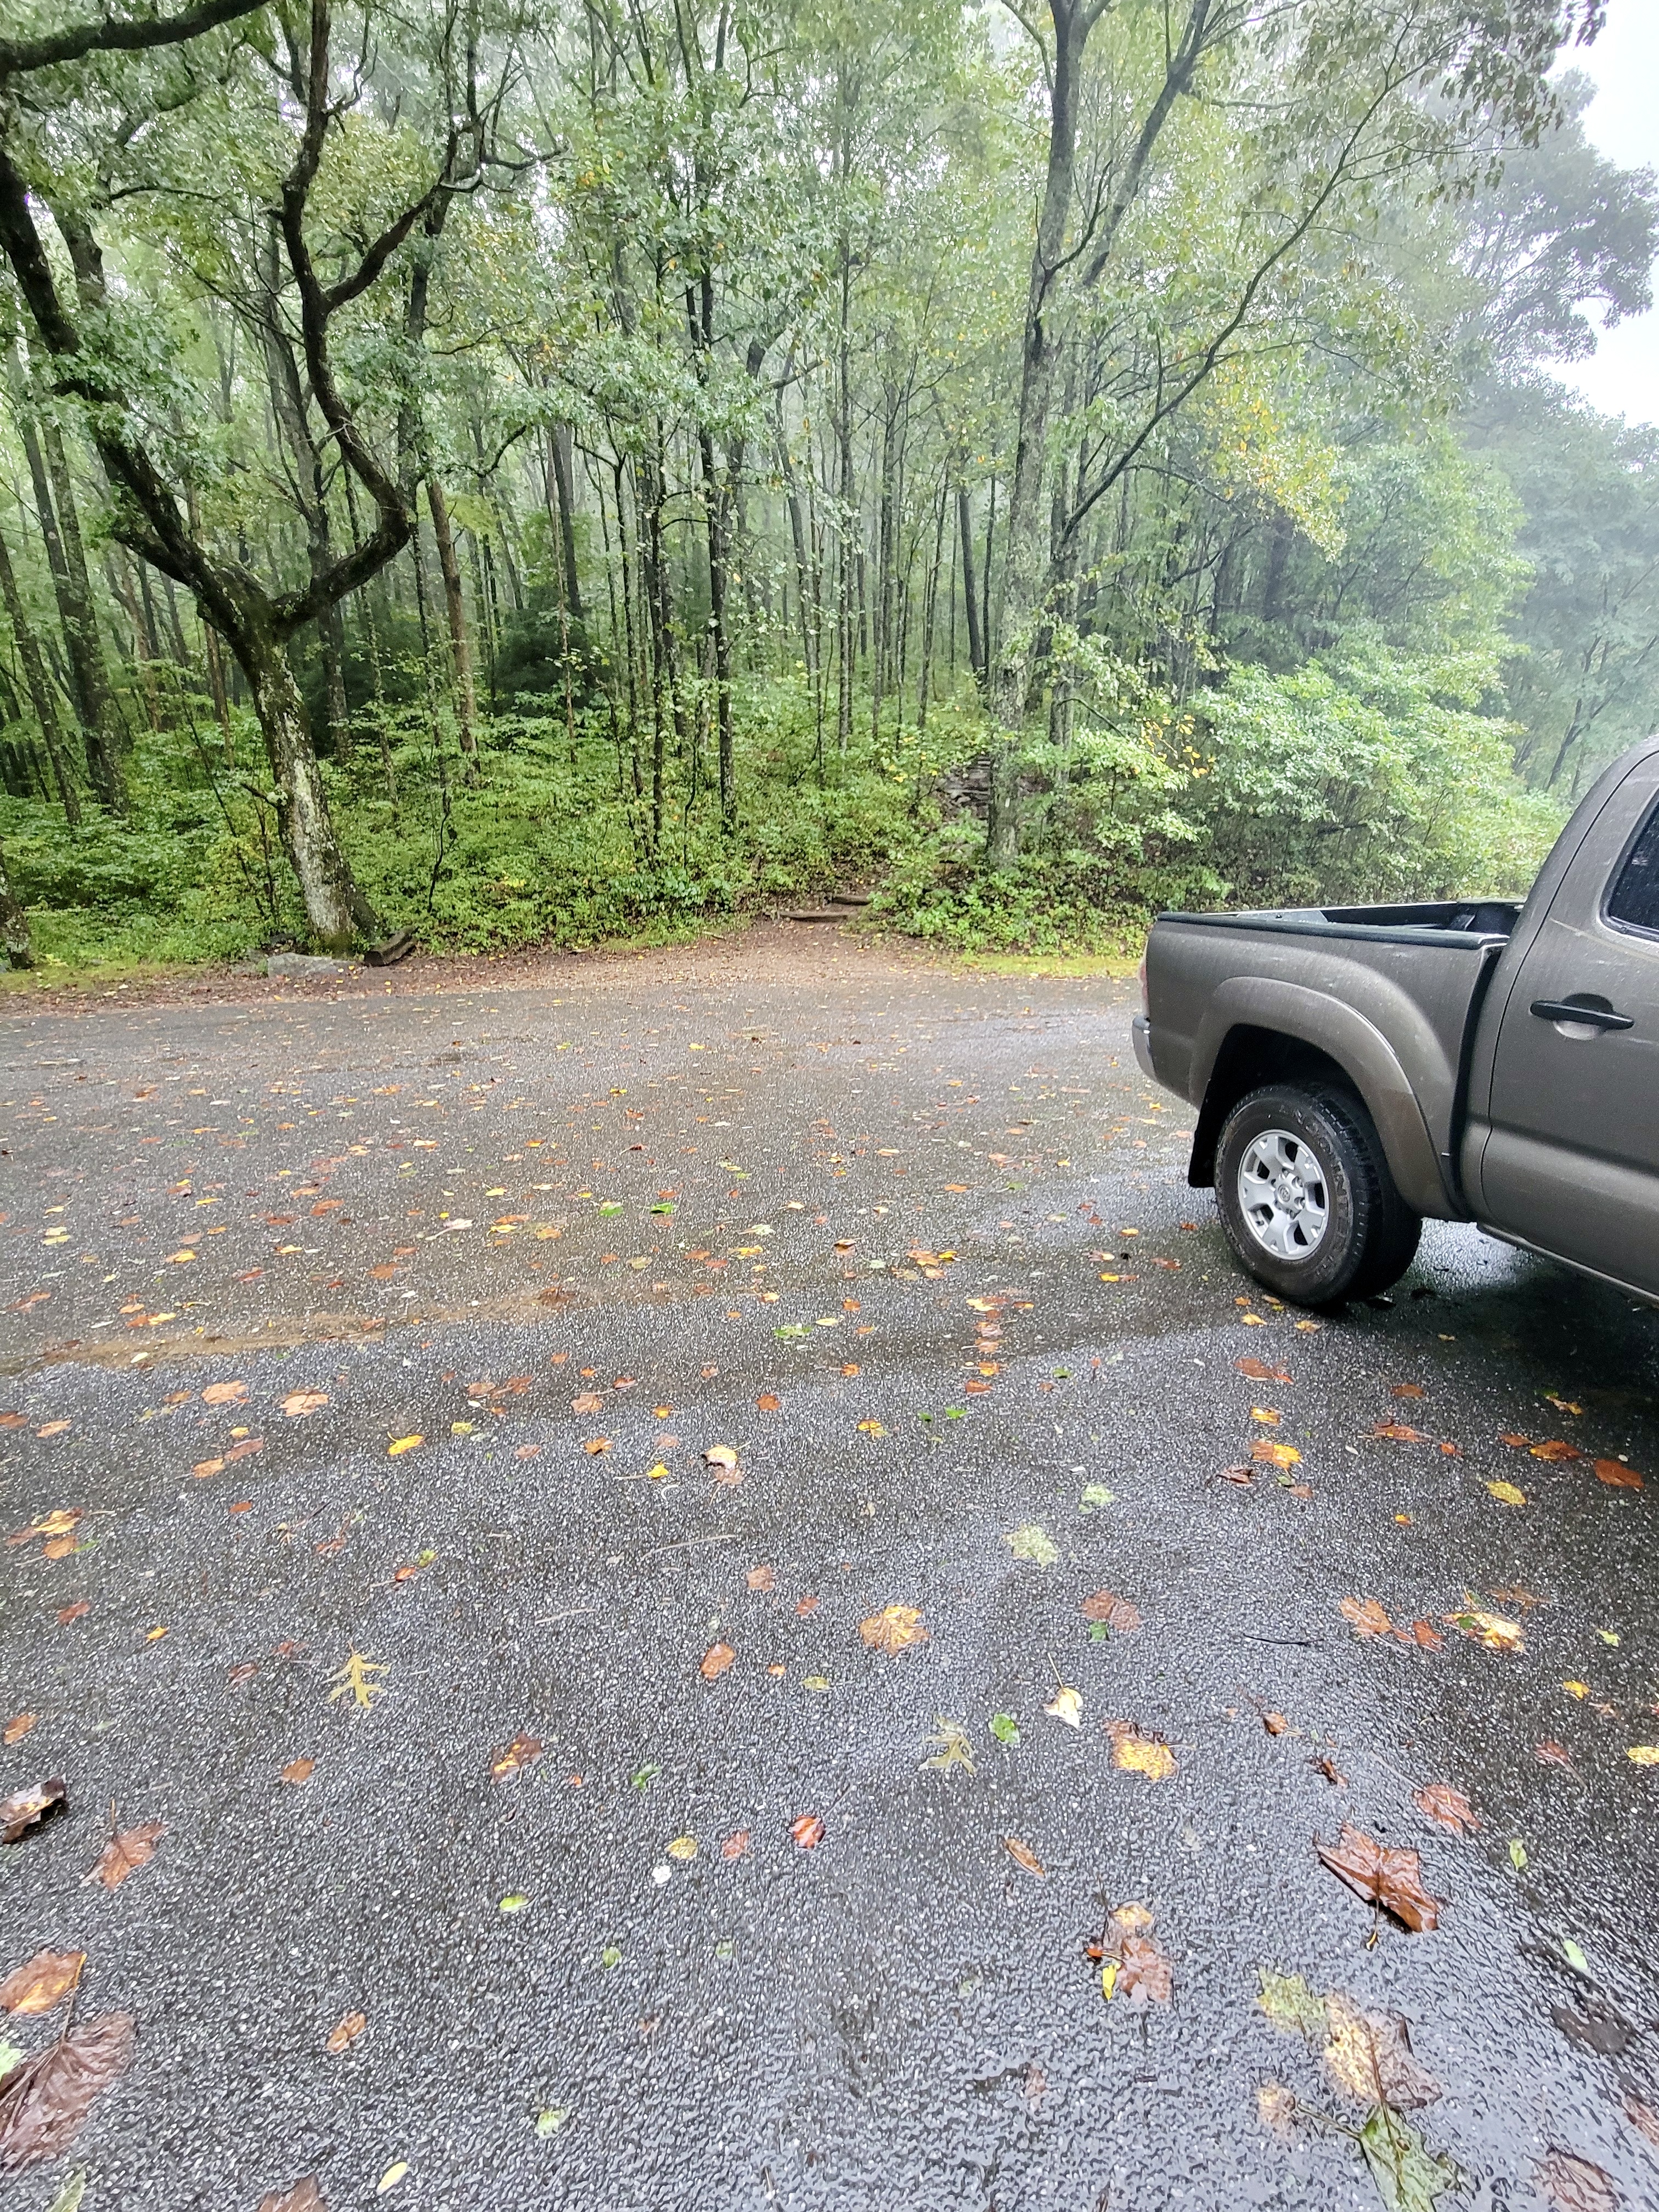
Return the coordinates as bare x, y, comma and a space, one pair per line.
1306, 1198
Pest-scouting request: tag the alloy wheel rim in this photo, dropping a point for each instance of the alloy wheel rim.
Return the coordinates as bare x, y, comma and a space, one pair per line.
1283, 1195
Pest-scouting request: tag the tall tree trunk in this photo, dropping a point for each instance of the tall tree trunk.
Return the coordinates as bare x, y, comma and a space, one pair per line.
40, 688
460, 642
60, 530
560, 443
14, 923
969, 589
335, 907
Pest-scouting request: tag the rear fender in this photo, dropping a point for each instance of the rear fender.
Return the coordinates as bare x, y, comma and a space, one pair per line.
1258, 1030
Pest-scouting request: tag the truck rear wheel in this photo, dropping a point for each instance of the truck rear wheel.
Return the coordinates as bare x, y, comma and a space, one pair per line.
1306, 1198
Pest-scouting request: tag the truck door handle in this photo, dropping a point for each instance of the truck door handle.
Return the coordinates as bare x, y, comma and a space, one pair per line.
1596, 1017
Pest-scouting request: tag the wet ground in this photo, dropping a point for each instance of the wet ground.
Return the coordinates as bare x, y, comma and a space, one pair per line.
416, 1642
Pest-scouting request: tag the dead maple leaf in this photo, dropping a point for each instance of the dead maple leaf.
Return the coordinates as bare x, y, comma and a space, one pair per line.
736, 1845
42, 1983
1024, 1855
24, 1807
808, 1831
1119, 1615
1420, 1633
1138, 1753
761, 1578
1370, 2053
225, 1393
306, 2196
1449, 1806
44, 2100
17, 1728
298, 1771
1259, 1371
1131, 1964
807, 1604
894, 1629
1556, 1449
299, 1403
127, 1851
769, 1401
523, 1751
1574, 2185
1617, 1475
345, 2031
715, 1661
1382, 1874
1366, 1616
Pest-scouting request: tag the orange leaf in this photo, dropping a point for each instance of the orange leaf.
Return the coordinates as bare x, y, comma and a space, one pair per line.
593, 1445
1119, 1615
808, 1831
1024, 1855
1617, 1475
587, 1401
1556, 1449
769, 1401
522, 1752
736, 1845
1449, 1806
345, 2031
17, 1728
894, 1629
1366, 1616
43, 1983
1259, 1371
225, 1393
299, 1403
298, 1771
715, 1661
125, 1853
1400, 1432
761, 1578
1382, 1874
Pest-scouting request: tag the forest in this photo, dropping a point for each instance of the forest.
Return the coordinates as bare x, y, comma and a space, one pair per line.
506, 472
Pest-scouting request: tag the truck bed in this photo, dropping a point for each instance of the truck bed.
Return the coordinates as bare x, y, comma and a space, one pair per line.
1406, 982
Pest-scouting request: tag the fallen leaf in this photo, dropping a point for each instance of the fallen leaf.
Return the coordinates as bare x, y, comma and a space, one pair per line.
127, 1851
1556, 1449
42, 1983
1574, 2185
893, 1630
345, 2031
24, 1807
1267, 1417
769, 1401
1267, 1452
225, 1393
351, 1679
587, 1401
736, 1845
1033, 1544
871, 1429
1507, 1494
1328, 1767
1449, 1806
1024, 1855
206, 1467
1400, 1432
1639, 1754
1408, 2178
1617, 1475
954, 1748
1275, 1723
1065, 1705
299, 1403
1370, 2053
44, 2100
298, 1771
1136, 1753
1420, 1633
78, 1611
522, 1752
1292, 2006
1642, 2117
715, 1661
1490, 1629
1118, 1614
1407, 1390
807, 1604
593, 1445
1383, 1874
63, 1521
1132, 1964
1259, 1371
17, 1728
1276, 2104
399, 2166
403, 1444
761, 1578
683, 1848
723, 1459
1366, 1616
306, 2196
808, 1831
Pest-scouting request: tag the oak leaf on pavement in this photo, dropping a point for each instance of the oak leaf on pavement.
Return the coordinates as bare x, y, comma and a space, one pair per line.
44, 2100
894, 1629
1382, 1874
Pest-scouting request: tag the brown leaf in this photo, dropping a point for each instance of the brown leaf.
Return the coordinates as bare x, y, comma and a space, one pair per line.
1332, 1772
1449, 1806
306, 2196
127, 1851
17, 1728
1407, 1390
1400, 1432
1024, 1855
1514, 1440
1259, 1371
43, 1982
345, 2031
1643, 2118
1275, 1723
225, 1393
593, 1445
1617, 1475
769, 1401
805, 1605
1370, 2054
1426, 1638
736, 1845
1143, 1975
1366, 1616
299, 1403
715, 1661
808, 1831
1574, 2185
761, 1578
24, 1807
245, 1449
587, 1401
522, 1752
1556, 1450
1382, 1874
44, 2100
1550, 1753
78, 1611
894, 1629
298, 1771
1119, 1615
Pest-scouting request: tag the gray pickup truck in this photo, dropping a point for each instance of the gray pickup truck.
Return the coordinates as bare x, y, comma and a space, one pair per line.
1357, 1068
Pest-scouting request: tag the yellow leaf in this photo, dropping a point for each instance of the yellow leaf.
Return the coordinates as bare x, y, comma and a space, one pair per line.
393, 2174
1644, 1754
1066, 1705
893, 1630
1506, 1493
1268, 1453
683, 1847
871, 1429
1580, 1690
403, 1444
658, 1473
1139, 1754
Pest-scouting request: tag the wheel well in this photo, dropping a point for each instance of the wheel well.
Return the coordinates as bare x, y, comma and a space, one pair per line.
1248, 1057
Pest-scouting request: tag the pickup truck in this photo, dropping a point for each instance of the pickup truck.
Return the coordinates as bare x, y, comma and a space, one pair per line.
1357, 1069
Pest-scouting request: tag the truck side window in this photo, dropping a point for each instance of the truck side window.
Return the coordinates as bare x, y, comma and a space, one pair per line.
1635, 900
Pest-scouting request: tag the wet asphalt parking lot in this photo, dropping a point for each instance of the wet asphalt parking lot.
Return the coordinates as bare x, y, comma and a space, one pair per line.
541, 1819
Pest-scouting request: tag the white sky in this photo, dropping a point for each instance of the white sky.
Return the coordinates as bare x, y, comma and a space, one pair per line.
1621, 377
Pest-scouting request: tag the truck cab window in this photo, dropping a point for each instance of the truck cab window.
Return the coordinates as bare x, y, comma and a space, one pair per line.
1635, 900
